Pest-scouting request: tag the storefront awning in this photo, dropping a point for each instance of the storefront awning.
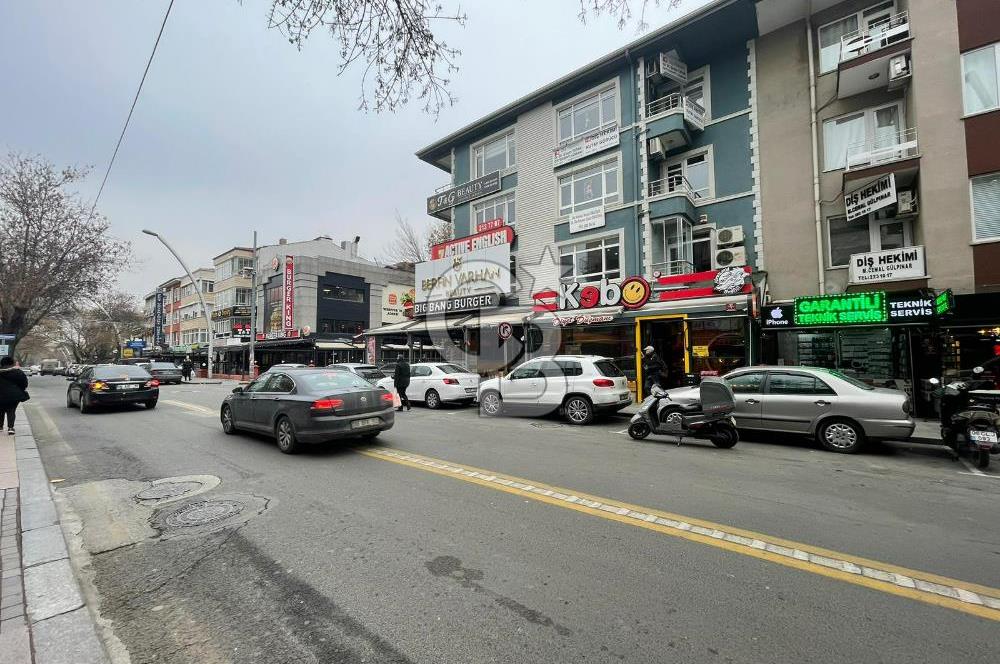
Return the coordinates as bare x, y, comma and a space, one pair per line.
717, 303
336, 345
514, 316
393, 328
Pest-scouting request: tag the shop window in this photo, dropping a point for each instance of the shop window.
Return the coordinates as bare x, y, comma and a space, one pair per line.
499, 207
494, 155
981, 79
780, 383
328, 325
588, 188
874, 232
591, 261
747, 383
587, 115
986, 206
719, 345
344, 293
831, 33
880, 126
672, 246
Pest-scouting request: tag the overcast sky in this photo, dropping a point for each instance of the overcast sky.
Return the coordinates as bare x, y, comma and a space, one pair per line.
236, 130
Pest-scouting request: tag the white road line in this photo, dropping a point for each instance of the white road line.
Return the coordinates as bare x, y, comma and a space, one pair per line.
980, 474
972, 469
198, 410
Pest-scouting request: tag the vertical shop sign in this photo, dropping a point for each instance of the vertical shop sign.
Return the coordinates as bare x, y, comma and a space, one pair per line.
158, 337
288, 300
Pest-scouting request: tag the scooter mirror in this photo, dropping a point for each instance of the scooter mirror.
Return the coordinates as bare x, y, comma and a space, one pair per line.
978, 370
934, 381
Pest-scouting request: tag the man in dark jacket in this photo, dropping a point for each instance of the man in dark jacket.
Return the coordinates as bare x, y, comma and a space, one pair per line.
654, 371
186, 366
401, 381
13, 390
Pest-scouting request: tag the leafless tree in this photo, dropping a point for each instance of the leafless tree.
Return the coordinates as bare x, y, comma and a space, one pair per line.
54, 252
622, 10
407, 246
95, 330
440, 231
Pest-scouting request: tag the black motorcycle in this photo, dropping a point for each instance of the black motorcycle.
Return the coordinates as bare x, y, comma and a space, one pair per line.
970, 417
711, 417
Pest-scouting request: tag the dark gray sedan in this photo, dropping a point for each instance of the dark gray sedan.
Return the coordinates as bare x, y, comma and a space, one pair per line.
165, 372
308, 406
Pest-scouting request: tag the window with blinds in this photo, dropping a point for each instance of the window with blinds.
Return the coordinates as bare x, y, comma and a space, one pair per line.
986, 207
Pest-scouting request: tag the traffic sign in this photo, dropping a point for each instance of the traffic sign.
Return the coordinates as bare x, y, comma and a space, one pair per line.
505, 330
4, 350
136, 344
6, 337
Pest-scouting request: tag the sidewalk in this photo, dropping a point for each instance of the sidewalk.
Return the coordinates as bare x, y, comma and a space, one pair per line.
43, 617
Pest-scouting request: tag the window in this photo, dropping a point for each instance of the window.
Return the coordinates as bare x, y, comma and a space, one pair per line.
570, 367
258, 385
986, 206
281, 383
587, 115
499, 207
420, 372
980, 87
590, 261
881, 127
588, 188
747, 383
344, 293
342, 326
244, 295
494, 155
875, 232
672, 246
830, 34
692, 172
608, 368
697, 89
780, 383
452, 369
529, 370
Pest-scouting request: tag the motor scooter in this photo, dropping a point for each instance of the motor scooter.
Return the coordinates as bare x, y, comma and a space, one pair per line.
710, 418
970, 417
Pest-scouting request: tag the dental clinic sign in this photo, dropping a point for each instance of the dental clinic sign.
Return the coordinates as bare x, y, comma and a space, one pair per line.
890, 265
871, 197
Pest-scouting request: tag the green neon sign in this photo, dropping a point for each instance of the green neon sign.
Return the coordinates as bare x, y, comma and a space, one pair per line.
944, 302
841, 309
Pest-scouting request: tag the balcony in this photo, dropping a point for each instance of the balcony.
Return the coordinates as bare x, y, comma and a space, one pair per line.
673, 185
875, 57
893, 152
672, 121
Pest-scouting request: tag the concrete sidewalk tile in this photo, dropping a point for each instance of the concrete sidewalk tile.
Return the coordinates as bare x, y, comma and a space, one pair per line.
14, 642
51, 589
38, 515
43, 545
8, 480
68, 639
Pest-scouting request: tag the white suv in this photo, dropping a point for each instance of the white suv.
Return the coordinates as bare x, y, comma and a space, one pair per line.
577, 385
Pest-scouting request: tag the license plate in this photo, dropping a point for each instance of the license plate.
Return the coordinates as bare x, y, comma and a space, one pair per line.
367, 422
128, 387
983, 436
625, 397
470, 390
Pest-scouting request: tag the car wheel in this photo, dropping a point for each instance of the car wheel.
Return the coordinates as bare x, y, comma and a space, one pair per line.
432, 399
85, 406
840, 435
151, 404
578, 410
491, 404
285, 435
228, 424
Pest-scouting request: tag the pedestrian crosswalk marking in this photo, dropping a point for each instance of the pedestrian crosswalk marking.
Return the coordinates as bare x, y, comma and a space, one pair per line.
925, 587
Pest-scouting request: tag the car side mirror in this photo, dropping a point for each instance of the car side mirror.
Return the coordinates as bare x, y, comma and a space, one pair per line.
237, 390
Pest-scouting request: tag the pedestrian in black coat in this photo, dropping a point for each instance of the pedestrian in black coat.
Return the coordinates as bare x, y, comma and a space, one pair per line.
13, 390
654, 370
401, 381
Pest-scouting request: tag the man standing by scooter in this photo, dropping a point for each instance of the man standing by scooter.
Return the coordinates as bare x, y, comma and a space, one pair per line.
654, 370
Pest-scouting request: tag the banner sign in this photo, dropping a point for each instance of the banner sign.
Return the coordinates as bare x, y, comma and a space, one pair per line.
397, 303
842, 309
489, 225
241, 330
466, 303
586, 220
889, 265
280, 334
370, 350
288, 295
158, 336
585, 145
136, 344
464, 193
910, 309
875, 196
238, 311
480, 270
944, 302
465, 245
582, 319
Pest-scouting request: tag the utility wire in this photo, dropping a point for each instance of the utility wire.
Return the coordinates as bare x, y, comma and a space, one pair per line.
132, 109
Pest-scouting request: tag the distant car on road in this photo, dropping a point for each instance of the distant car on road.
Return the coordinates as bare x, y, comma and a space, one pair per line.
308, 406
579, 386
165, 372
48, 367
369, 372
437, 383
112, 385
841, 412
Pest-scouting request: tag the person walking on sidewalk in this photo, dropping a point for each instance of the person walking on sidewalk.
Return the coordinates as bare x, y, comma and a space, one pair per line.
401, 381
186, 367
13, 390
654, 370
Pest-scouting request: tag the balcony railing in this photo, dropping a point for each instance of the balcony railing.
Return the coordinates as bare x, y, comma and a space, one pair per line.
888, 147
871, 39
670, 268
673, 184
693, 111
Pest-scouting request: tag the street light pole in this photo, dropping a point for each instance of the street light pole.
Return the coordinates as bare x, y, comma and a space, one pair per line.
201, 297
114, 323
253, 305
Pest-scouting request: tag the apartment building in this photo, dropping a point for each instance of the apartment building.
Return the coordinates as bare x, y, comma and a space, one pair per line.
192, 328
233, 294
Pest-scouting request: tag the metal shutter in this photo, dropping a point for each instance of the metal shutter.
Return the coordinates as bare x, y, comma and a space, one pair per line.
986, 206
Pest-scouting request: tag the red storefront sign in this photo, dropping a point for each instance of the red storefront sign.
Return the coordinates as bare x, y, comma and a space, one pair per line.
491, 238
288, 299
489, 225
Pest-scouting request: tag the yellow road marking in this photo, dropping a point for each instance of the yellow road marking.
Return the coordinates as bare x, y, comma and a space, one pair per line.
976, 597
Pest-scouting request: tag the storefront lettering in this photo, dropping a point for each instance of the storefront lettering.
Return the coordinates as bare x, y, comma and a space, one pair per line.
583, 319
918, 308
482, 240
632, 293
841, 309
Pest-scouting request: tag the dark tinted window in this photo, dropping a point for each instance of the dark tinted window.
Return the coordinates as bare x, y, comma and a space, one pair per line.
570, 367
747, 383
796, 384
258, 385
608, 368
281, 383
371, 374
331, 380
119, 372
452, 368
530, 370
550, 369
420, 371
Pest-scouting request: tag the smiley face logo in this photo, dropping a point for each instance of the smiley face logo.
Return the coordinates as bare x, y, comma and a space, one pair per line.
635, 292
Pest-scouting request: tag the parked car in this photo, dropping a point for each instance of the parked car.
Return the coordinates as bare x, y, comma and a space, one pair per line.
286, 366
165, 372
579, 386
841, 412
369, 372
388, 368
437, 383
112, 384
308, 406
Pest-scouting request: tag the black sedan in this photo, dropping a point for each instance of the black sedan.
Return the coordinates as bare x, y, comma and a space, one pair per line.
112, 384
165, 372
308, 406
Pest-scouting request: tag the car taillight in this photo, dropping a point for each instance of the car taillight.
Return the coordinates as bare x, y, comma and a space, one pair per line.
604, 382
387, 398
907, 406
97, 386
451, 381
327, 404
152, 383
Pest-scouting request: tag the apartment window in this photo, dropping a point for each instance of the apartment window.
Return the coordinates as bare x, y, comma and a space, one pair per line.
830, 35
495, 155
694, 171
881, 127
588, 188
697, 89
592, 260
672, 246
342, 326
243, 295
875, 232
980, 85
587, 115
500, 207
986, 206
343, 293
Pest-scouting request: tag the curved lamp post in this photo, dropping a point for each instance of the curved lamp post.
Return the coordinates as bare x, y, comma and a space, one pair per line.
201, 298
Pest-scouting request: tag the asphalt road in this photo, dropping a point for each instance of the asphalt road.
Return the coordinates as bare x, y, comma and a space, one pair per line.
364, 554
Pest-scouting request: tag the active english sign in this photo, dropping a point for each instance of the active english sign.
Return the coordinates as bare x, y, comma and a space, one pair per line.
889, 265
465, 245
871, 197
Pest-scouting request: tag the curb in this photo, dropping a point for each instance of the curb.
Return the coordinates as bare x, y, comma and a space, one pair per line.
61, 627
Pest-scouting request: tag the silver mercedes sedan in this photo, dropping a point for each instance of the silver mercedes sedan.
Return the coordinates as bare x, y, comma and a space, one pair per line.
841, 412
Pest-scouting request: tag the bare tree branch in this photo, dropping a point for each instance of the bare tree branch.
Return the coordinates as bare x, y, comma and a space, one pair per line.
621, 10
407, 246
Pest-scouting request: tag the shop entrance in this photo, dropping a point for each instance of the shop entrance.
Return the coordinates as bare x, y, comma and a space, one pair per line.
667, 337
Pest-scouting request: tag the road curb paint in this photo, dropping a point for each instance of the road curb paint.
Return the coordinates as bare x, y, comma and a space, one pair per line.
925, 587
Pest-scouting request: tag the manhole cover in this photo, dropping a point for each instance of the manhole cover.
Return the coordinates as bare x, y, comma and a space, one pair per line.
167, 490
203, 513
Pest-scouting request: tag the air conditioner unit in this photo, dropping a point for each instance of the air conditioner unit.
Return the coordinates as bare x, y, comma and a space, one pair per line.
657, 149
729, 235
729, 257
899, 67
906, 202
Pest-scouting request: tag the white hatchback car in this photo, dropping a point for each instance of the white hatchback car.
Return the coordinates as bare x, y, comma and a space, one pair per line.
577, 385
437, 383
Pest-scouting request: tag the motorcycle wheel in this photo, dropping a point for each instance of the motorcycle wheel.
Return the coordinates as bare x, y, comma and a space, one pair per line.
638, 430
725, 437
982, 458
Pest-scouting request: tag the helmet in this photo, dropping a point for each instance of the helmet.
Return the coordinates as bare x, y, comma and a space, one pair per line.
648, 349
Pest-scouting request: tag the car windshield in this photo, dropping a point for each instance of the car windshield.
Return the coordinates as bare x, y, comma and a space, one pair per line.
452, 368
122, 371
370, 373
332, 380
847, 379
163, 365
608, 368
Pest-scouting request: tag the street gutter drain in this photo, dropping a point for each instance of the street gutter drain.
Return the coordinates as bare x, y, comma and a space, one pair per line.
166, 490
203, 513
